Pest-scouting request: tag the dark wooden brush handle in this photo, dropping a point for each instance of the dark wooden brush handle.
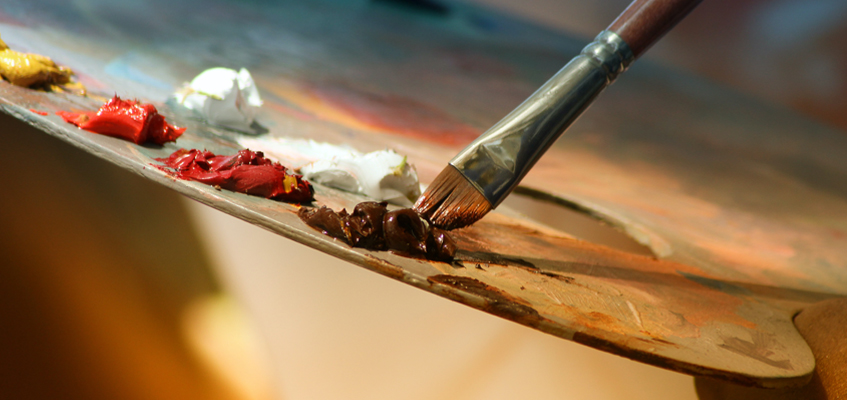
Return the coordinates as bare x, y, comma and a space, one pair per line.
646, 21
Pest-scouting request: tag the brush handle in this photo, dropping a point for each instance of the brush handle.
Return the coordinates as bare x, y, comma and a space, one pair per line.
644, 22
497, 160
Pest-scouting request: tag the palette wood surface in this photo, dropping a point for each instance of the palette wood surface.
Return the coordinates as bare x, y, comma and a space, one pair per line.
743, 205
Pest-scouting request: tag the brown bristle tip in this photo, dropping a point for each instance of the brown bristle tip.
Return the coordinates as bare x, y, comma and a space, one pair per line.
451, 201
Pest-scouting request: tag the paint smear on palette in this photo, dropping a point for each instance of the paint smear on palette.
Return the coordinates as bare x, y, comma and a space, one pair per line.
9, 20
379, 112
125, 67
649, 281
396, 114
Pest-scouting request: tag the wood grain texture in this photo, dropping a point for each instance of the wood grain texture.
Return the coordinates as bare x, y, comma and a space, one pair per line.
645, 21
824, 327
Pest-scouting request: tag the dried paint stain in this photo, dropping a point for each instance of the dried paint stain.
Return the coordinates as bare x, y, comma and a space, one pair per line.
498, 301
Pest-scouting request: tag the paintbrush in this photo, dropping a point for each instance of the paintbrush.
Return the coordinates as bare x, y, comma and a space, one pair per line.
486, 171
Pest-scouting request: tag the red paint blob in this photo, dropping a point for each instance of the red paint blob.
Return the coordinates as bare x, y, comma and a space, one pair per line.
126, 119
246, 172
38, 112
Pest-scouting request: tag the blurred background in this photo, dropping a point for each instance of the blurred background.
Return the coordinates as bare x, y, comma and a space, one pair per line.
125, 290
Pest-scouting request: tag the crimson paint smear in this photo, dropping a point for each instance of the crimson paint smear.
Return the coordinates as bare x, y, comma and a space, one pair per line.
246, 172
126, 119
38, 112
373, 227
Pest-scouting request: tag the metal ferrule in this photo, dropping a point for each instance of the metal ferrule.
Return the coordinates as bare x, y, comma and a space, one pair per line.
497, 160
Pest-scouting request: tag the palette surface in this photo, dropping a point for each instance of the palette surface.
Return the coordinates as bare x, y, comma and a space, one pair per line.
743, 206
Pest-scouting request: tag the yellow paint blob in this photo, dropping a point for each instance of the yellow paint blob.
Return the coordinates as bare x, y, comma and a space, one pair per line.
31, 70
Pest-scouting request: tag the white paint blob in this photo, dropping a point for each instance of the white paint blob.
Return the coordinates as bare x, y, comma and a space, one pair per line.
222, 96
381, 175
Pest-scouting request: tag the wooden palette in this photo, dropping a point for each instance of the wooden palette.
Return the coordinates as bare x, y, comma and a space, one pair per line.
743, 205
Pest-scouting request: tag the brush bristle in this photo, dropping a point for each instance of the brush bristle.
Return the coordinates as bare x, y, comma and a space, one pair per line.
451, 201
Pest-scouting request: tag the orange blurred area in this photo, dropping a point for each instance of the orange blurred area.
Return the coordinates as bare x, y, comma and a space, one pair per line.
97, 265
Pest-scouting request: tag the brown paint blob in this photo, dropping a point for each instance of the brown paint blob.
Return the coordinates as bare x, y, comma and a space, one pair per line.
408, 232
126, 119
245, 172
373, 227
